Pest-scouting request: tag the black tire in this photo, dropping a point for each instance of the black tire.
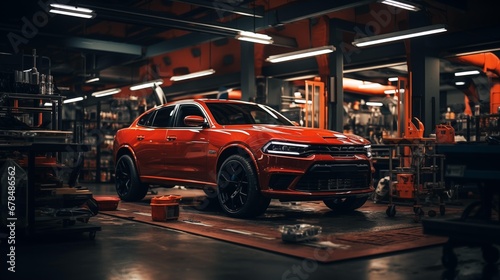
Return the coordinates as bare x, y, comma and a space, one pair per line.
127, 183
237, 189
210, 202
391, 211
349, 203
431, 213
449, 258
490, 253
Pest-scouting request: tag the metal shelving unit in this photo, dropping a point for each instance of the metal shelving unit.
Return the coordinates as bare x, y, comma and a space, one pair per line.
28, 142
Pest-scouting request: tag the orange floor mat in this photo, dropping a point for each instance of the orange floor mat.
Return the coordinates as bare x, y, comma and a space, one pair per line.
362, 233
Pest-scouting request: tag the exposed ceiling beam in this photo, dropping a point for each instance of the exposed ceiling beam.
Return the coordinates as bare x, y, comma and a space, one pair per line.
226, 7
307, 9
289, 13
158, 19
103, 46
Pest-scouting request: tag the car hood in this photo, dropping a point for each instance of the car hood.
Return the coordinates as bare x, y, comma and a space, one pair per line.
308, 135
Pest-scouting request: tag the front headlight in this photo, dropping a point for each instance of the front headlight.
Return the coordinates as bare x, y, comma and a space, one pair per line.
368, 150
285, 148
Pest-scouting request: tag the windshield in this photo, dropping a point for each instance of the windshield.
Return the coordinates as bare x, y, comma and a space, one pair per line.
241, 113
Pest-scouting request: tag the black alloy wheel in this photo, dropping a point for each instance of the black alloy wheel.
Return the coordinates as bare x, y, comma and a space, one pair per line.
237, 189
127, 183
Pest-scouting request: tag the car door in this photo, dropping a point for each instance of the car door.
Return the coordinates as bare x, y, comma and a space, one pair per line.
151, 140
186, 152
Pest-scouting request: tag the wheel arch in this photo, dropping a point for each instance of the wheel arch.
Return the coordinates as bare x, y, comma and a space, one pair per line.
238, 150
126, 150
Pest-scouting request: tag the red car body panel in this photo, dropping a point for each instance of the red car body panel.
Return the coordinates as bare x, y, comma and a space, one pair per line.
191, 156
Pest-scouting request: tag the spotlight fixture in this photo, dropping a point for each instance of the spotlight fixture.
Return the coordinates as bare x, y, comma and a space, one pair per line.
300, 54
466, 73
106, 92
147, 84
400, 35
192, 75
254, 37
71, 11
393, 79
407, 5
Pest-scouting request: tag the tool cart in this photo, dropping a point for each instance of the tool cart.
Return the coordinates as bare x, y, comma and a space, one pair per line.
415, 175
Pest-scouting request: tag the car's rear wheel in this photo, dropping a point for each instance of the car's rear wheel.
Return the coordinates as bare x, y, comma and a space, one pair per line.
127, 183
349, 203
237, 189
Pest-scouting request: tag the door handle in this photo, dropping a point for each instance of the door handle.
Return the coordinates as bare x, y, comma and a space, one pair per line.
171, 138
140, 137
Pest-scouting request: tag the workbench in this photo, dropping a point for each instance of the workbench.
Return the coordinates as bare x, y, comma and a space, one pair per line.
32, 150
478, 163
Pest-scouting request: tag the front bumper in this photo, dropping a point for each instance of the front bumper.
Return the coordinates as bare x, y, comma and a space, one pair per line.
315, 177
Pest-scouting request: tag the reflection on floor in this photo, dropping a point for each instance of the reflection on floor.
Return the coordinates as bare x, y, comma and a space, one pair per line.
127, 249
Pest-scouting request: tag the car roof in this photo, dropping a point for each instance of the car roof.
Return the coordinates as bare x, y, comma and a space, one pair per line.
208, 100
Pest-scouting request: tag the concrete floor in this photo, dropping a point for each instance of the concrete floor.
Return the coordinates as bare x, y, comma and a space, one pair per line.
126, 249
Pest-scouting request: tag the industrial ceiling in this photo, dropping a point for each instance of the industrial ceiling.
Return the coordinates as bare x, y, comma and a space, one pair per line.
133, 41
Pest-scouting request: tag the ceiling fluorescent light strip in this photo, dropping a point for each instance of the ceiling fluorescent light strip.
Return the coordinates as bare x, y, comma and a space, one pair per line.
72, 100
92, 80
374, 104
146, 84
467, 73
400, 35
402, 4
192, 75
106, 92
254, 37
300, 54
378, 66
71, 11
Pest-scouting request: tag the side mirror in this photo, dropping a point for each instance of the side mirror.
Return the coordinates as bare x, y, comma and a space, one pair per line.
193, 120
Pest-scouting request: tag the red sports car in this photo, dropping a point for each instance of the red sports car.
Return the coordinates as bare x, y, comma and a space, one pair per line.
243, 155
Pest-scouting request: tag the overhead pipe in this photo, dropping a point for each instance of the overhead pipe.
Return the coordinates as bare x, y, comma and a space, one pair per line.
372, 91
490, 63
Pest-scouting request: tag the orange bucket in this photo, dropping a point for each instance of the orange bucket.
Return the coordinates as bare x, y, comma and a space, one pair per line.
164, 208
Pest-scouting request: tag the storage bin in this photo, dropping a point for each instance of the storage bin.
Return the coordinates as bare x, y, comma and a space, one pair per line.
445, 134
107, 203
164, 208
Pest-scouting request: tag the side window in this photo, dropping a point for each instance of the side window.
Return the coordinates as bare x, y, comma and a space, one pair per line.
144, 120
163, 117
187, 110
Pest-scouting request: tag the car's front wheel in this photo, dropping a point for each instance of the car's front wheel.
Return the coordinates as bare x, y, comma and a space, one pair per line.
237, 189
127, 183
349, 203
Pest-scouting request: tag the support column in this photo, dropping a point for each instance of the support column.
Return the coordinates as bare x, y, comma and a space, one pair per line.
335, 83
423, 64
248, 88
425, 87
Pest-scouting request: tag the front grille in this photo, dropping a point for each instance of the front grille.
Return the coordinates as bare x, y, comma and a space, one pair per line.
335, 177
337, 150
